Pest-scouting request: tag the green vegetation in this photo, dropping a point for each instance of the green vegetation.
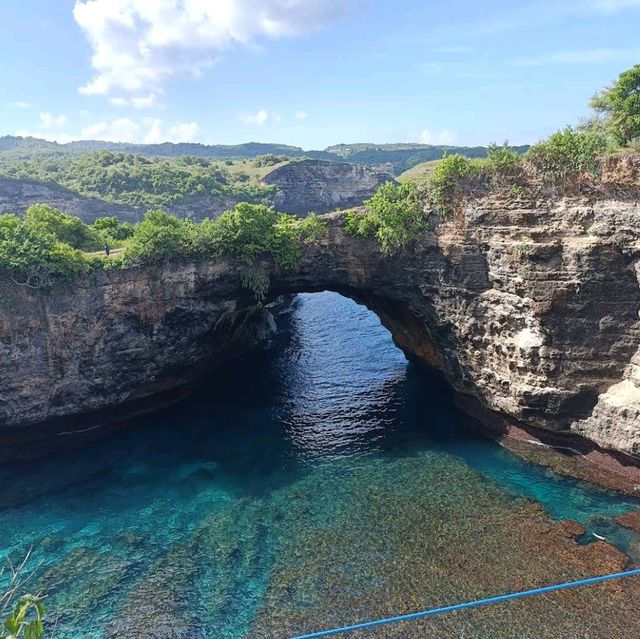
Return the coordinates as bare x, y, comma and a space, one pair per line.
25, 620
135, 180
47, 247
393, 216
620, 107
420, 173
65, 228
447, 179
523, 249
568, 151
399, 158
571, 151
31, 254
501, 160
21, 617
112, 230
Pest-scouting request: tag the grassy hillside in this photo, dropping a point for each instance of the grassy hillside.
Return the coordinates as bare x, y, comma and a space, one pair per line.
398, 158
419, 173
151, 182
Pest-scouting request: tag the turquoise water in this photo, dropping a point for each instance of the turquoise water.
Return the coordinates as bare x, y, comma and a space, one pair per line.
206, 517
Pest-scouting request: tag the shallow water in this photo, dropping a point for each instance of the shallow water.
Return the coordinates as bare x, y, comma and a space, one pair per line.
319, 483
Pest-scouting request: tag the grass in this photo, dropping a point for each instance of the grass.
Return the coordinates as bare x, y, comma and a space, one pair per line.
419, 173
112, 252
248, 167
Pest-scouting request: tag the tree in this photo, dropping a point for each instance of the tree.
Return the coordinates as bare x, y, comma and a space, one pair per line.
111, 228
157, 238
65, 228
620, 105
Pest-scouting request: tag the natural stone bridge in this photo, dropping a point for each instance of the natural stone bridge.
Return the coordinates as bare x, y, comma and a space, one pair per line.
529, 308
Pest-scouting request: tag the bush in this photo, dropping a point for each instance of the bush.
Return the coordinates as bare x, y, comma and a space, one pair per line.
393, 215
32, 256
568, 151
268, 159
446, 181
111, 229
158, 237
65, 228
501, 160
252, 230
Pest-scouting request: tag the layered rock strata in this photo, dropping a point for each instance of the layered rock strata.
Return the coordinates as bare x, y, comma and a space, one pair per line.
528, 305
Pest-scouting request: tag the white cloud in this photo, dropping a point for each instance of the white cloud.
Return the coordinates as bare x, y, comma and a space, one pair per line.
139, 102
153, 132
118, 130
437, 137
181, 132
185, 132
49, 121
138, 45
150, 131
583, 56
301, 115
19, 104
260, 118
50, 136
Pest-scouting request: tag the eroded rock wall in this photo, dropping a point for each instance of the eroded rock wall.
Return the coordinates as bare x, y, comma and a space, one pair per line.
319, 186
529, 306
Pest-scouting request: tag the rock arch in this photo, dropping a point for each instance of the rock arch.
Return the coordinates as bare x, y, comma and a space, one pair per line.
530, 311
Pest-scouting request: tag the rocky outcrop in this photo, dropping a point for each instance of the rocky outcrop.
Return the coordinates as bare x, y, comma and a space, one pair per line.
529, 307
302, 187
306, 186
16, 196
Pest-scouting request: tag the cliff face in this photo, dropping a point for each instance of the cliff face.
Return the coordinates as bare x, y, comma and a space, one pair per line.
529, 307
306, 186
16, 196
303, 186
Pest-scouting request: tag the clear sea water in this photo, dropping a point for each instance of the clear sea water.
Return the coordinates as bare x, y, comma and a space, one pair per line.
305, 486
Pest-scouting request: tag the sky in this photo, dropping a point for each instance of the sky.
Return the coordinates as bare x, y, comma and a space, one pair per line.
310, 73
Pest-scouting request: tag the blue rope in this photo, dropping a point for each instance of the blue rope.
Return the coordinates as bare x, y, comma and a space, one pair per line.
469, 604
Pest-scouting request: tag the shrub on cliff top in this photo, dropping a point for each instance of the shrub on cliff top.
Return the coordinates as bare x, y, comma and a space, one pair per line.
31, 255
447, 181
65, 228
158, 237
247, 232
393, 215
112, 230
501, 160
568, 151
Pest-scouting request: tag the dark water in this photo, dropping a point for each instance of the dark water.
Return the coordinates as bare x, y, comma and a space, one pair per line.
215, 516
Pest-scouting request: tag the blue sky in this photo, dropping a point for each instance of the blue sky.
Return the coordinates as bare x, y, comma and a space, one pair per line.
308, 72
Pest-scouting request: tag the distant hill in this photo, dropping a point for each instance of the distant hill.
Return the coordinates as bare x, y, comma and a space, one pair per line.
401, 157
30, 146
395, 158
126, 185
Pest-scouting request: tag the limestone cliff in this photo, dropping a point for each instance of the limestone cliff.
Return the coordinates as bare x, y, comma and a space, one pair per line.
302, 186
16, 196
528, 305
306, 186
